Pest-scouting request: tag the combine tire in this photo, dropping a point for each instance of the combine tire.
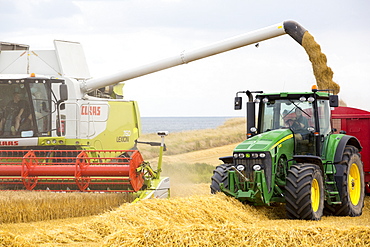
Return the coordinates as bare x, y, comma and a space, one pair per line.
220, 175
304, 192
350, 183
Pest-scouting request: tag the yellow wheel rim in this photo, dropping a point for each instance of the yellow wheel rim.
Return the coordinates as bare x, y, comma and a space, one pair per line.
315, 195
354, 184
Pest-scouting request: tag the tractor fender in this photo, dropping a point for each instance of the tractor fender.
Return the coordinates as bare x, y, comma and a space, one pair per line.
346, 140
227, 159
312, 159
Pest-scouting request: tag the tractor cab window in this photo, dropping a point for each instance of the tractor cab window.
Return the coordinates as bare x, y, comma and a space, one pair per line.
290, 114
324, 117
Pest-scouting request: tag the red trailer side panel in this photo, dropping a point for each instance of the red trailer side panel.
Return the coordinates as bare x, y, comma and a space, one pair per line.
356, 123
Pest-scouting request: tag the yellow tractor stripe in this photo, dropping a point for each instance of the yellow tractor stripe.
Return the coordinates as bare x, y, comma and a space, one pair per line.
282, 140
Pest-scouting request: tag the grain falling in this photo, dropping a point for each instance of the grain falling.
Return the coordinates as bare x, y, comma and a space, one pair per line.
323, 73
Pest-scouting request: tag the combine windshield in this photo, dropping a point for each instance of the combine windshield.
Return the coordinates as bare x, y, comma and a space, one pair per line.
292, 114
24, 109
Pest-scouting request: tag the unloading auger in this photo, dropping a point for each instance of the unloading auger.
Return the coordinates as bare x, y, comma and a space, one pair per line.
61, 130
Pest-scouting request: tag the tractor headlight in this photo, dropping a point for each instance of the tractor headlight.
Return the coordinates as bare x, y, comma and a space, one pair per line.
254, 155
262, 155
311, 99
253, 129
239, 155
257, 167
240, 168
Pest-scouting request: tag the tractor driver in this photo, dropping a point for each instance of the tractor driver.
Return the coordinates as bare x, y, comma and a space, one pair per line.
302, 121
299, 122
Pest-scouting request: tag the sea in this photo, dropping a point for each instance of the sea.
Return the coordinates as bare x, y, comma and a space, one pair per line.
179, 124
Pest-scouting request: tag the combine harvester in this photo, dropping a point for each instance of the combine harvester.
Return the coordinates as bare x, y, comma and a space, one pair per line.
79, 132
56, 136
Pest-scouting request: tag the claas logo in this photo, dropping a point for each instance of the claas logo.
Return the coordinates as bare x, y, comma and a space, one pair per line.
9, 143
90, 110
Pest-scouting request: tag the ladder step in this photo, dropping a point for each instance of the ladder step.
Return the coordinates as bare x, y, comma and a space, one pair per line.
330, 182
336, 203
333, 193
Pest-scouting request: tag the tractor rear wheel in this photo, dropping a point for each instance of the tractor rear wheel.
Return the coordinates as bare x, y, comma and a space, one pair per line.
304, 192
350, 183
220, 175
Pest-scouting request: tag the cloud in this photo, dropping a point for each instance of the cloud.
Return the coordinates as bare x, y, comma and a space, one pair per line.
118, 35
37, 15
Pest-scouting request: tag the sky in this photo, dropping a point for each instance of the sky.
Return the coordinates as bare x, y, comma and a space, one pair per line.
123, 34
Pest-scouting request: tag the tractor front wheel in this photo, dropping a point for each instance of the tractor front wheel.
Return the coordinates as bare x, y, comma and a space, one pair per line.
304, 192
220, 175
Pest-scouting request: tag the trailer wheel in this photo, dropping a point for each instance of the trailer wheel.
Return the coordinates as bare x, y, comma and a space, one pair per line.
220, 175
350, 183
304, 192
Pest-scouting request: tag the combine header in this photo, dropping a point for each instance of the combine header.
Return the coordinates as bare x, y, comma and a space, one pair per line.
72, 170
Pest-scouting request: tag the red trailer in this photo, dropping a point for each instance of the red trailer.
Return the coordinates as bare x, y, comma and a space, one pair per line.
355, 122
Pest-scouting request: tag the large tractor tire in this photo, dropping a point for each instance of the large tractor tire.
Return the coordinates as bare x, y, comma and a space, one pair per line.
220, 175
304, 192
350, 182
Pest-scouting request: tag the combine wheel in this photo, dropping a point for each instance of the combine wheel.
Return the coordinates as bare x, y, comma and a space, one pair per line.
304, 192
220, 175
350, 182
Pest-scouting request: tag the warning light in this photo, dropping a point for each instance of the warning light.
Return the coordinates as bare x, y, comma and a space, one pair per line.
33, 75
314, 88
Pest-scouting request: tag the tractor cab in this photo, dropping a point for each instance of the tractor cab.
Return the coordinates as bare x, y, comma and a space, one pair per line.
307, 115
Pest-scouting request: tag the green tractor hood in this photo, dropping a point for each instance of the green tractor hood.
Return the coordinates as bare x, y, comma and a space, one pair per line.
265, 141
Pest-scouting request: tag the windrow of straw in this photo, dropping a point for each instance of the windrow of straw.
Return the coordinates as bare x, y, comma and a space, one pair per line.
208, 220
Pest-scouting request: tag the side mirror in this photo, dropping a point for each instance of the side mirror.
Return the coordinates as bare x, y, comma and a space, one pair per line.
238, 103
63, 92
334, 100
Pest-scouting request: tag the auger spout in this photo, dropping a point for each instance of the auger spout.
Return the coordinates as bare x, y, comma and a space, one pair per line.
292, 28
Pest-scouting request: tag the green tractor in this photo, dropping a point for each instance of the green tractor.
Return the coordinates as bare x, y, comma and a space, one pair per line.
294, 157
